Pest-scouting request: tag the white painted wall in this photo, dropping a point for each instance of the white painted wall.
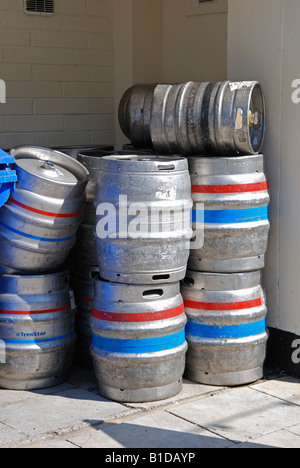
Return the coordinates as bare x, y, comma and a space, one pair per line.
168, 41
59, 74
194, 40
263, 44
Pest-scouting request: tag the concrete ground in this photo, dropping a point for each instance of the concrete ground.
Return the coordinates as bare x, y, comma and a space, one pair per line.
73, 415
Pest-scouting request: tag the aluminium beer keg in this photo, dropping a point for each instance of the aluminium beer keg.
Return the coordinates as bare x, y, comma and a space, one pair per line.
226, 330
222, 118
138, 340
143, 220
39, 222
231, 203
37, 325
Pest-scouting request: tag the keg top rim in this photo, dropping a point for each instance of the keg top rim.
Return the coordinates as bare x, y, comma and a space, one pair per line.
144, 163
233, 158
69, 164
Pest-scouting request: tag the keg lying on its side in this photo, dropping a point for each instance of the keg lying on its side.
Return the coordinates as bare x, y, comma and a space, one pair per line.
143, 218
39, 222
37, 325
231, 202
226, 329
138, 341
82, 280
192, 118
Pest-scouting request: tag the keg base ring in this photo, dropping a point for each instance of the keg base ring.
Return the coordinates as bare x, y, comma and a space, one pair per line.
140, 395
226, 379
34, 384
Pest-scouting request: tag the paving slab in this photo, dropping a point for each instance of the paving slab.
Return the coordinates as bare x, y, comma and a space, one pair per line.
240, 414
278, 439
156, 430
286, 388
59, 412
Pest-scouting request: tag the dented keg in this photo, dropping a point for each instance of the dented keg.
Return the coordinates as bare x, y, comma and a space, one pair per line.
143, 216
208, 118
138, 340
82, 280
39, 222
231, 203
135, 114
226, 329
37, 326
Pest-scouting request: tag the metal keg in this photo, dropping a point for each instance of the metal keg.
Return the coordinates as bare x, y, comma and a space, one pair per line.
39, 222
82, 280
231, 203
143, 218
138, 340
223, 118
135, 114
226, 329
37, 325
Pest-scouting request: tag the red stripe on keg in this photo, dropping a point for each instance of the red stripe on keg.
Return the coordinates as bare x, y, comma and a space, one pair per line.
237, 188
33, 312
86, 299
224, 306
142, 317
45, 213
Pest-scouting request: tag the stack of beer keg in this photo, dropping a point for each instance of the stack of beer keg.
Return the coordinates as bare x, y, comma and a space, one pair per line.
38, 229
219, 128
143, 230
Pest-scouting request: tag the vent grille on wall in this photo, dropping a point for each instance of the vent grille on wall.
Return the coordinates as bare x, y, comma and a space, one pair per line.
39, 7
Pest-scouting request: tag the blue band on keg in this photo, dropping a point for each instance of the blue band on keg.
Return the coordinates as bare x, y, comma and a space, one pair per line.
200, 330
38, 341
248, 215
149, 345
29, 236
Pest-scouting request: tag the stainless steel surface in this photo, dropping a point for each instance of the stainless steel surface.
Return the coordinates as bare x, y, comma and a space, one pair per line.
138, 340
82, 280
234, 192
158, 204
37, 326
135, 114
222, 118
39, 222
226, 330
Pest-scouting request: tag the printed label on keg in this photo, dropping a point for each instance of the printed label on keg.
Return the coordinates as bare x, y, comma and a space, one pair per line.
2, 352
2, 92
23, 334
240, 84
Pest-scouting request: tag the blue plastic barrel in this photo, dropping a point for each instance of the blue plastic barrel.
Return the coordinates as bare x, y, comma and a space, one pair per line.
8, 176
